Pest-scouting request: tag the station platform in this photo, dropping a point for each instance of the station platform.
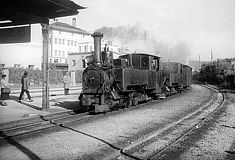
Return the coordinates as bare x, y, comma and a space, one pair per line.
22, 110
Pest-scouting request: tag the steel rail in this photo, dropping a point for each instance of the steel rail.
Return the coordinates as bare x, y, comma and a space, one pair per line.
40, 123
200, 123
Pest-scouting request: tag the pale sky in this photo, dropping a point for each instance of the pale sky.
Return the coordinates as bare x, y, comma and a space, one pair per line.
204, 25
197, 25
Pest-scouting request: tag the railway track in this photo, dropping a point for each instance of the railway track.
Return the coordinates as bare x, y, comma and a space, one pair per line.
27, 126
154, 145
37, 123
149, 147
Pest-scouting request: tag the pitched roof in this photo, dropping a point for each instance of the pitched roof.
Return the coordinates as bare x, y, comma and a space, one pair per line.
67, 28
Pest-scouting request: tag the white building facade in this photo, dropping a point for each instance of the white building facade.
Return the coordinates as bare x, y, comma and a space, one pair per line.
69, 46
65, 39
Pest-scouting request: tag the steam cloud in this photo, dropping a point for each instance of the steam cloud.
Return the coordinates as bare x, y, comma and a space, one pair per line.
139, 40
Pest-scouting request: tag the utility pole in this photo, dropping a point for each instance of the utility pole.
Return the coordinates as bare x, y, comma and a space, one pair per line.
211, 66
211, 56
199, 64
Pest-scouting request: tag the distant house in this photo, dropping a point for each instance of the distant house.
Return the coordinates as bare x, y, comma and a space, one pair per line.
233, 62
17, 65
2, 66
31, 66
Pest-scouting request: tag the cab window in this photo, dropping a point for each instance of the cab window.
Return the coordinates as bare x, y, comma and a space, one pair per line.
136, 61
145, 62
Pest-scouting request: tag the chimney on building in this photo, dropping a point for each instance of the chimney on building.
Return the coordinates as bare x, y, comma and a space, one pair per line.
74, 22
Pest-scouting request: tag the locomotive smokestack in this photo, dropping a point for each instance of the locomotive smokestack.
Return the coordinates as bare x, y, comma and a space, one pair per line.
97, 46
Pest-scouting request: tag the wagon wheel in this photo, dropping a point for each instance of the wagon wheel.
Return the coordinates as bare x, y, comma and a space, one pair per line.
135, 101
128, 103
110, 103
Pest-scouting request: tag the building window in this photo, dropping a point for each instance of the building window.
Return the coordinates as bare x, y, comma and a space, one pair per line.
59, 32
55, 53
90, 48
56, 61
59, 41
55, 40
85, 48
63, 41
73, 62
66, 61
68, 42
75, 43
80, 49
63, 54
59, 53
50, 60
71, 42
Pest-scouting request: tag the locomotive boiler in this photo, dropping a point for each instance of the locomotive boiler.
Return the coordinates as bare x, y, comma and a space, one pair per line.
109, 83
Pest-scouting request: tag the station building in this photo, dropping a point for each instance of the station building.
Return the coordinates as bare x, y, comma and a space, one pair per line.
65, 39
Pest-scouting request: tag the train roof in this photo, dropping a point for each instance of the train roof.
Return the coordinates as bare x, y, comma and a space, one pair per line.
177, 63
141, 54
173, 63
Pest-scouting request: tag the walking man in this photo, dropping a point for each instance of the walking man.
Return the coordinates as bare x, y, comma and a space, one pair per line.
25, 86
66, 81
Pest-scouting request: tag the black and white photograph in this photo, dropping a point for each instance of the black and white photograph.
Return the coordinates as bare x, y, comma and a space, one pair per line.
117, 80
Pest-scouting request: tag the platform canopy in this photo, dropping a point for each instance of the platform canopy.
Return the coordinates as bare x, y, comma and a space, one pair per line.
20, 12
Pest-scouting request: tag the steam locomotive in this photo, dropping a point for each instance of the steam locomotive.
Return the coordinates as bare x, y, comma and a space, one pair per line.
109, 83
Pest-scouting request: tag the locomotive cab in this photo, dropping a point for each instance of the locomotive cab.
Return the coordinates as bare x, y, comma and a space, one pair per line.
140, 61
138, 80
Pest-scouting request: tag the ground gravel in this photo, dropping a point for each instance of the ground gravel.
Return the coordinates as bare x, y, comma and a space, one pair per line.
219, 140
213, 141
96, 138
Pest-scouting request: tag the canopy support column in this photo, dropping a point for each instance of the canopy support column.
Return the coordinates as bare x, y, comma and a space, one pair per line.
45, 84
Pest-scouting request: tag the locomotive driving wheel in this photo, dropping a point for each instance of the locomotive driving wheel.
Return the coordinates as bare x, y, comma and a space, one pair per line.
135, 101
128, 103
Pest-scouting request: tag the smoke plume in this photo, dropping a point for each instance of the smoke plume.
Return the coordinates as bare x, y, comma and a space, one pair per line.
137, 39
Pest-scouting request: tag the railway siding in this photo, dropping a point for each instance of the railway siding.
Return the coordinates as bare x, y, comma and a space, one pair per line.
103, 135
152, 146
